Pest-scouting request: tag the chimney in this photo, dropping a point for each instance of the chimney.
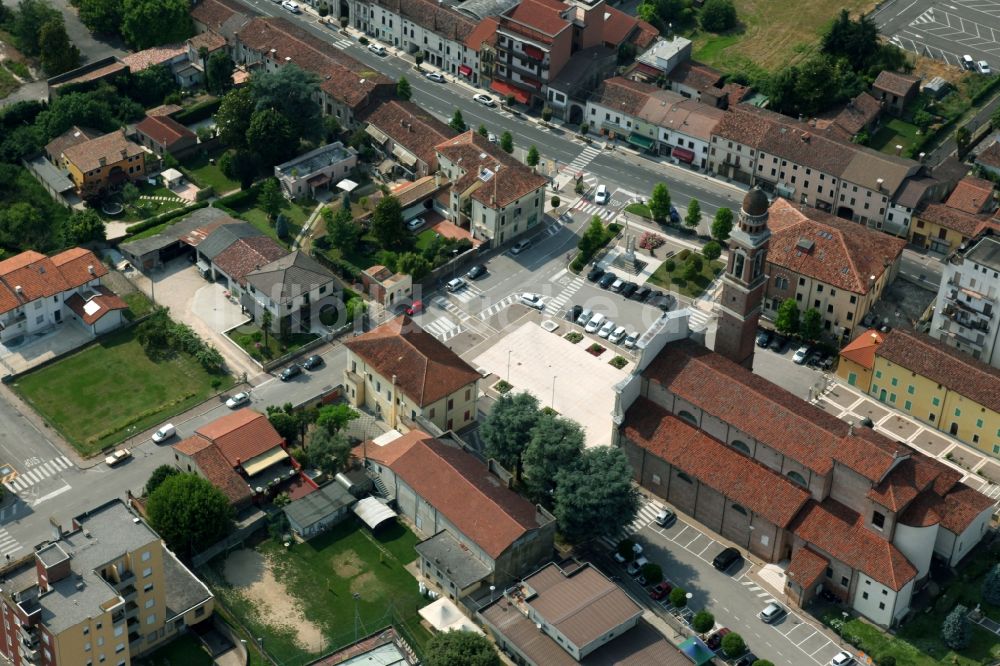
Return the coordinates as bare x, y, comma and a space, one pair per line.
878, 183
899, 150
850, 428
19, 290
101, 161
90, 269
56, 529
805, 137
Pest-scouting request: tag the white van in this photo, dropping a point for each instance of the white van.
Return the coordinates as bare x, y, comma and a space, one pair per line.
968, 62
595, 323
165, 432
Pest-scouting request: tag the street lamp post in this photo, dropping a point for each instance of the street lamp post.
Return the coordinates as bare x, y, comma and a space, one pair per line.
553, 403
509, 352
492, 590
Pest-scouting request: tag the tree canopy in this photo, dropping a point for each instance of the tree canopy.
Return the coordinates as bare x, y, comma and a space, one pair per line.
507, 428
811, 326
457, 122
507, 142
58, 54
460, 648
272, 137
403, 89
659, 202
555, 444
103, 17
387, 224
693, 216
787, 320
147, 23
159, 475
334, 418
189, 513
722, 224
219, 72
594, 496
718, 15
329, 451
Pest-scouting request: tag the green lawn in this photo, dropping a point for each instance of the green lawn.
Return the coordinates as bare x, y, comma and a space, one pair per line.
205, 174
138, 304
642, 210
249, 336
184, 651
8, 83
322, 575
674, 282
893, 133
424, 240
296, 213
110, 390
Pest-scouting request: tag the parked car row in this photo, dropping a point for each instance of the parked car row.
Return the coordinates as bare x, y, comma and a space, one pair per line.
605, 328
295, 369
610, 281
806, 354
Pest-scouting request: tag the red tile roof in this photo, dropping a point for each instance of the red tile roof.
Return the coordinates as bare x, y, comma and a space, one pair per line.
31, 275
898, 84
971, 195
221, 474
212, 41
844, 255
943, 365
618, 26
247, 255
832, 528
740, 478
101, 303
411, 127
439, 18
213, 13
542, 15
806, 567
696, 75
164, 130
425, 369
966, 224
625, 95
646, 35
473, 153
485, 32
858, 114
112, 147
908, 479
961, 506
156, 55
769, 413
241, 435
462, 488
862, 349
990, 156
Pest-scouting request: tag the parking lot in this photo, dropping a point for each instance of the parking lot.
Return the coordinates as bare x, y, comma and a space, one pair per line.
944, 29
685, 551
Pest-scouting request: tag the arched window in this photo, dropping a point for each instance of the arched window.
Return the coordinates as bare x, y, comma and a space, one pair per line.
737, 444
684, 477
797, 478
738, 509
688, 416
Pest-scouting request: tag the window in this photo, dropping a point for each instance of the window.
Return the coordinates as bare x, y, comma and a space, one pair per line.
739, 509
979, 423
147, 587
797, 478
656, 479
881, 605
688, 416
935, 401
86, 647
878, 374
146, 555
907, 405
844, 582
894, 382
147, 572
151, 619
119, 630
737, 444
878, 519
150, 602
910, 389
864, 595
829, 572
684, 477
958, 412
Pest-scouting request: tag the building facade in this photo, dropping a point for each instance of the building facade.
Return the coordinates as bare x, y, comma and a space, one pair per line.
318, 170
102, 165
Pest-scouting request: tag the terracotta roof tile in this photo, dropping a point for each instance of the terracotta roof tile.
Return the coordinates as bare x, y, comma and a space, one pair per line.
835, 529
485, 32
544, 16
241, 435
625, 95
696, 75
79, 266
164, 130
411, 127
740, 478
898, 84
425, 369
102, 301
862, 349
221, 474
806, 567
843, 254
769, 413
971, 195
943, 365
858, 114
210, 40
474, 152
71, 137
192, 445
31, 275
439, 18
908, 479
113, 147
922, 512
618, 26
990, 156
247, 255
214, 13
961, 506
965, 224
459, 486
646, 35
157, 55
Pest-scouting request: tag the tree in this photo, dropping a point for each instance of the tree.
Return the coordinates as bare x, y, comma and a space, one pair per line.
702, 622
592, 239
269, 198
334, 418
532, 159
482, 131
962, 139
678, 597
811, 326
58, 54
189, 513
266, 319
219, 72
341, 229
712, 250
718, 15
331, 127
159, 475
787, 320
103, 17
652, 573
272, 137
460, 648
722, 224
239, 165
507, 429
507, 142
130, 194
85, 226
555, 201
387, 224
150, 86
29, 19
690, 270
281, 226
457, 122
414, 264
554, 447
733, 645
693, 217
956, 632
290, 90
403, 90
147, 23
546, 113
594, 495
659, 202
232, 120
285, 420
330, 452
991, 586
24, 227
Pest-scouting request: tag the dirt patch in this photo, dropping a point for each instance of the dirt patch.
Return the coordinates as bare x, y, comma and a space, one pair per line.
251, 574
367, 586
928, 68
347, 564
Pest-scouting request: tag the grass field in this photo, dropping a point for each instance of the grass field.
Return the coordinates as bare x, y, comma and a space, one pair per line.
322, 576
104, 393
184, 651
205, 174
297, 215
774, 32
673, 281
896, 132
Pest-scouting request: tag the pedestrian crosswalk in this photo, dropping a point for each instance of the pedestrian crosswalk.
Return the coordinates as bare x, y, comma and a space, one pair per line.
590, 209
38, 473
583, 159
646, 514
557, 303
467, 294
342, 43
761, 593
497, 307
8, 544
443, 328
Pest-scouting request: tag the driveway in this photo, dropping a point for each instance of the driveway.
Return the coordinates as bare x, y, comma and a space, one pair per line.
201, 305
36, 349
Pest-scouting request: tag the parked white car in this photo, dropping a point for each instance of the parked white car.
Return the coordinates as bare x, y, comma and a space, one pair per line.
455, 285
437, 77
617, 335
165, 432
602, 195
532, 300
292, 7
238, 400
377, 49
842, 658
607, 329
118, 457
630, 340
485, 100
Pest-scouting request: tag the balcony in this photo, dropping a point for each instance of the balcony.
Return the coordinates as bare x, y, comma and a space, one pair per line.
128, 593
968, 318
28, 654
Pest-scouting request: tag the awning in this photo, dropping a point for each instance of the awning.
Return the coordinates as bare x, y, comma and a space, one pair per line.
465, 70
531, 82
683, 154
643, 142
258, 464
376, 134
373, 512
403, 155
318, 180
533, 52
385, 166
505, 89
695, 650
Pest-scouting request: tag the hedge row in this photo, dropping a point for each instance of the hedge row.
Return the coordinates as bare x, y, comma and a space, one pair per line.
199, 111
151, 222
236, 199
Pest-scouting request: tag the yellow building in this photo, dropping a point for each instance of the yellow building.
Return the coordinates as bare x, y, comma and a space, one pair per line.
964, 215
102, 593
857, 360
100, 165
402, 373
940, 386
828, 264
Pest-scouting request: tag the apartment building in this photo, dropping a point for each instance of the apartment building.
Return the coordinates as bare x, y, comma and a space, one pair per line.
828, 264
402, 373
493, 195
966, 307
106, 591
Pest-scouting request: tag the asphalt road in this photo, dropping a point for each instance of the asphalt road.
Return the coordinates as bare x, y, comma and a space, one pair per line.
91, 47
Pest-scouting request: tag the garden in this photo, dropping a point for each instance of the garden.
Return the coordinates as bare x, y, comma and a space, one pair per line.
113, 389
260, 347
203, 170
315, 597
689, 273
263, 204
